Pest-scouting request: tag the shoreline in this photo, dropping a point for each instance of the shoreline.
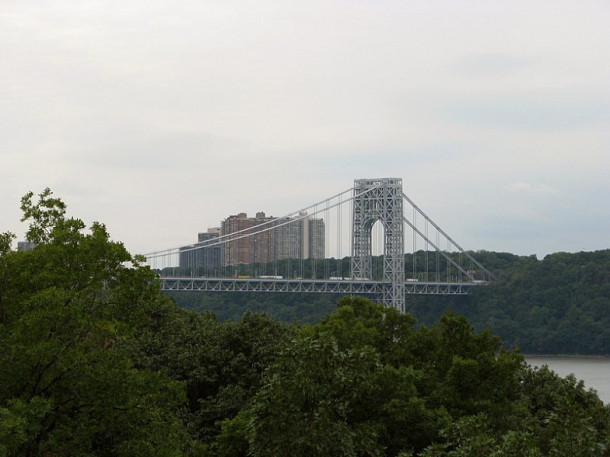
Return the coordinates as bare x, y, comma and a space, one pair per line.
565, 356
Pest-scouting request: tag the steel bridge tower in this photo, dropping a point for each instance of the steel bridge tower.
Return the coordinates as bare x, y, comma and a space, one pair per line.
380, 200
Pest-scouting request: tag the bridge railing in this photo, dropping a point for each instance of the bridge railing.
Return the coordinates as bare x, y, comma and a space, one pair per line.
330, 286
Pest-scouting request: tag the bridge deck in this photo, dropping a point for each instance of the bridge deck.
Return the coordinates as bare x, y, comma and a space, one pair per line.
355, 287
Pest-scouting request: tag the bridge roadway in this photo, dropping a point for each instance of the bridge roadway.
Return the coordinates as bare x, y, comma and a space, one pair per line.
331, 286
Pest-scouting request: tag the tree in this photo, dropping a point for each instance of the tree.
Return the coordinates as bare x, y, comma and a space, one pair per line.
318, 401
357, 384
67, 383
221, 364
366, 381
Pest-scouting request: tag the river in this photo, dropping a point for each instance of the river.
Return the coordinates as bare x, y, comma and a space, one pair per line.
593, 371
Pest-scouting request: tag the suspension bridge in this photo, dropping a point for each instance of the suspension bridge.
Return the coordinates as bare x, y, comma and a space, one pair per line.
371, 239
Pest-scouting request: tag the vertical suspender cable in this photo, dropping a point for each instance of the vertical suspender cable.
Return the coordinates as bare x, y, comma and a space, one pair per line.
328, 228
414, 245
427, 249
438, 266
338, 258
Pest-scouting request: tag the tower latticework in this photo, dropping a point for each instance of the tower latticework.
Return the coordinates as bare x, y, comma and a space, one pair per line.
380, 200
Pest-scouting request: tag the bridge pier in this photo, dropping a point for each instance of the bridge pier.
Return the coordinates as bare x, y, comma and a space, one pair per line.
380, 200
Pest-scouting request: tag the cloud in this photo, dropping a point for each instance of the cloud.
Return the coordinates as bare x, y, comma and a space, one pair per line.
524, 187
493, 65
541, 110
133, 110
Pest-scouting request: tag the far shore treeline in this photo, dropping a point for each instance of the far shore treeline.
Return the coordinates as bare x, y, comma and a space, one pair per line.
95, 361
557, 305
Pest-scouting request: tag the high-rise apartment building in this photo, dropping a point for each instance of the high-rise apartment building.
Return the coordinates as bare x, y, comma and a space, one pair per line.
300, 237
248, 239
316, 236
243, 240
287, 236
207, 252
23, 246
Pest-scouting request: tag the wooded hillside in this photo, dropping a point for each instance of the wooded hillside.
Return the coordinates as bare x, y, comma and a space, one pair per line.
557, 305
96, 361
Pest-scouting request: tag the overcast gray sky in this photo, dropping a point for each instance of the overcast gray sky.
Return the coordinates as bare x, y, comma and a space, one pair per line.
160, 118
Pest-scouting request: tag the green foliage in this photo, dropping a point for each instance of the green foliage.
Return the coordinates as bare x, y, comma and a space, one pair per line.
68, 310
366, 381
6, 239
568, 420
304, 308
97, 362
46, 216
353, 384
318, 402
559, 305
221, 364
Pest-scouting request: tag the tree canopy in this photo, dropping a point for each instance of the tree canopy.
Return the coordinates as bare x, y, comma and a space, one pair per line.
96, 361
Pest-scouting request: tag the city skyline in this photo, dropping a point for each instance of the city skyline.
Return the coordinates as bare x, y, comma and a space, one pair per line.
243, 240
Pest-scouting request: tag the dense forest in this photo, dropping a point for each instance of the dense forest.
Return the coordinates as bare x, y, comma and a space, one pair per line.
96, 361
557, 305
560, 304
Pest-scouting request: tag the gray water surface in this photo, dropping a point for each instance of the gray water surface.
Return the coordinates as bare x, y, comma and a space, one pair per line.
593, 371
